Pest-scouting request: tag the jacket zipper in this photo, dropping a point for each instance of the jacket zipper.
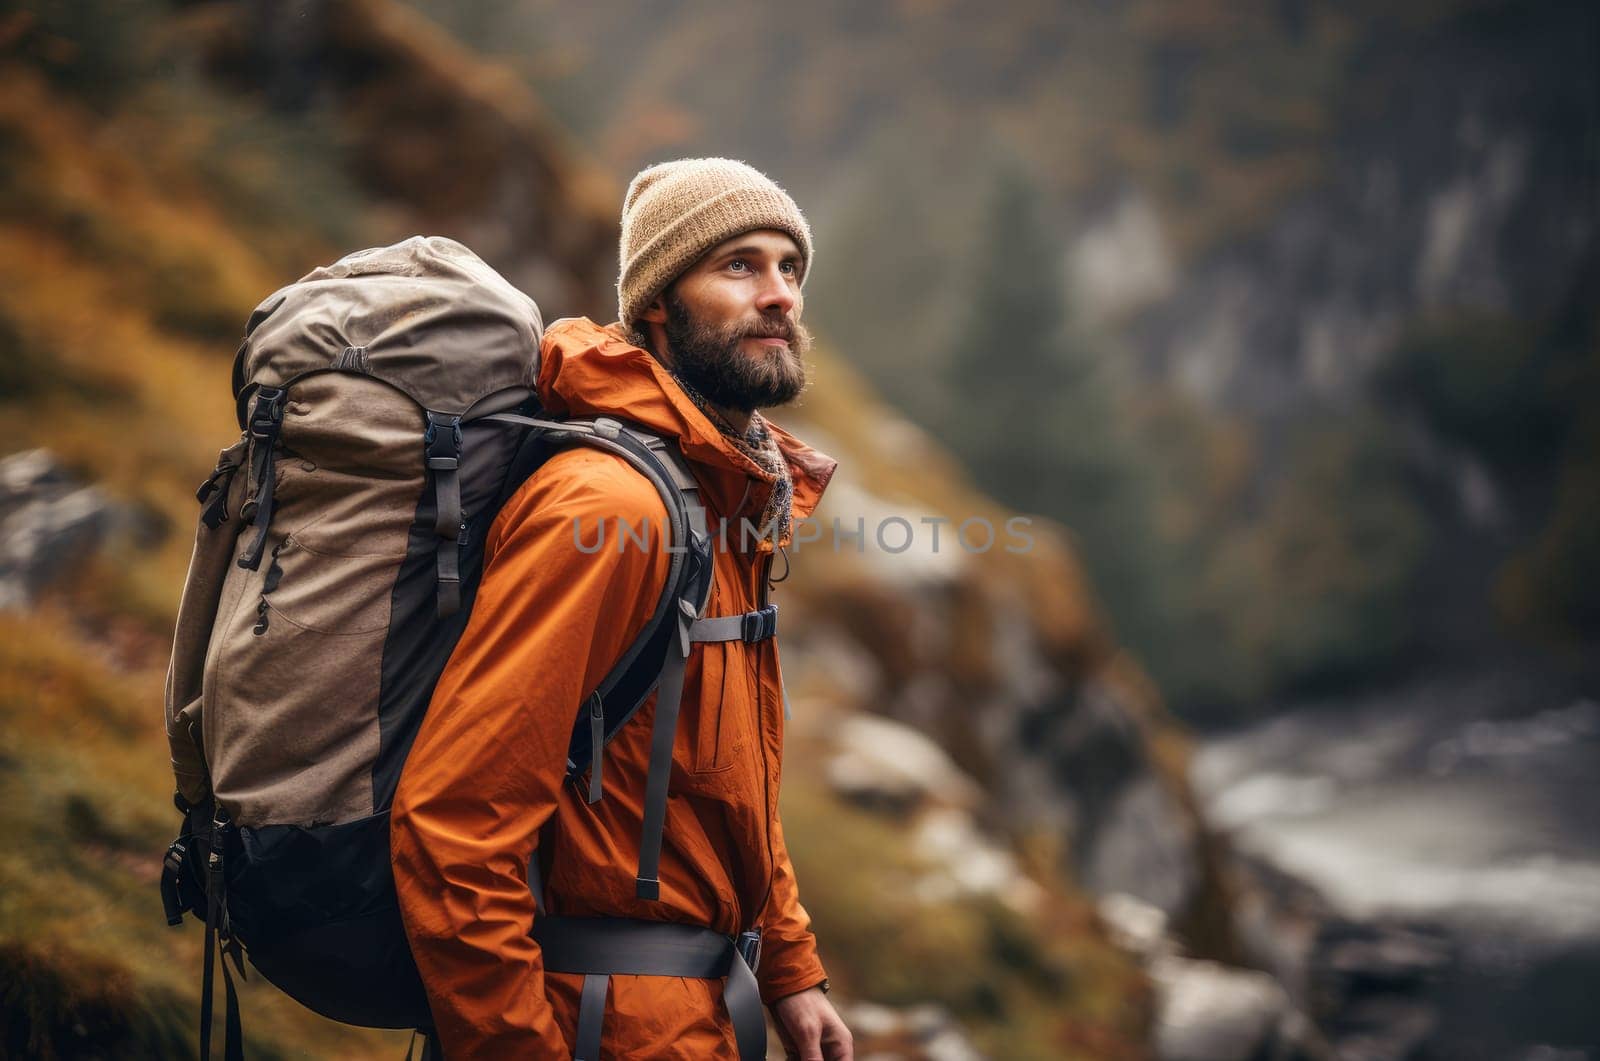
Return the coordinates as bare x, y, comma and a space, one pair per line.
763, 590
765, 569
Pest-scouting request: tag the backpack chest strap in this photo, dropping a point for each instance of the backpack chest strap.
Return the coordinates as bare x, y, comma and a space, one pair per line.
749, 627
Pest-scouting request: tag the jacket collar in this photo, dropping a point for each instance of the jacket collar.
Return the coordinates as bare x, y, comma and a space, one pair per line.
589, 370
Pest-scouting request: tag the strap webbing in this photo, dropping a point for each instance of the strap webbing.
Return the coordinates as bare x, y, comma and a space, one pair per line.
599, 947
597, 745
218, 937
663, 729
430, 1045
208, 975
266, 420
742, 996
233, 1037
749, 626
536, 881
442, 444
213, 493
591, 1017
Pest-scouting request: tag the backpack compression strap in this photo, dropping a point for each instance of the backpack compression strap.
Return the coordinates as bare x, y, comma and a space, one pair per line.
442, 444
266, 420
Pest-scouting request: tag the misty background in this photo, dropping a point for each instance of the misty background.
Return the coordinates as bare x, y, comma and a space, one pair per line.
1281, 316
1286, 309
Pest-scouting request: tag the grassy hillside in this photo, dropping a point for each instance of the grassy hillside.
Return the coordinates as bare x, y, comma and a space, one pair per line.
130, 253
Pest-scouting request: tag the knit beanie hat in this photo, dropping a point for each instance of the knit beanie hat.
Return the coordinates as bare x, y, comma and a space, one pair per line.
677, 211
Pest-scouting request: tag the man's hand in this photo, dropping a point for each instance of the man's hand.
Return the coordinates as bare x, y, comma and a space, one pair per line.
811, 1029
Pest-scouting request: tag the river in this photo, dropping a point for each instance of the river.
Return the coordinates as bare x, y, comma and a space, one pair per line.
1459, 815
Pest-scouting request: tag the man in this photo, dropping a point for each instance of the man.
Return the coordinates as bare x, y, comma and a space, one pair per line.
713, 256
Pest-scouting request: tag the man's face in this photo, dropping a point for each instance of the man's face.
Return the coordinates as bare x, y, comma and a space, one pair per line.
732, 322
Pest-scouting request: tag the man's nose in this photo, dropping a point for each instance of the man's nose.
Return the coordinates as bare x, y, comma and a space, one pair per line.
775, 296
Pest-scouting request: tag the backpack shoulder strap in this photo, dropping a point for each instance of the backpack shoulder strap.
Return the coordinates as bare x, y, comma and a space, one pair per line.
688, 585
658, 657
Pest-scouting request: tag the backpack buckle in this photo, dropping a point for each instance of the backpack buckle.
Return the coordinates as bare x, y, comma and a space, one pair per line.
268, 413
172, 900
760, 624
749, 947
443, 449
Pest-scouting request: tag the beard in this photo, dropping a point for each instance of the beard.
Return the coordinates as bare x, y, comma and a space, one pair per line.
709, 358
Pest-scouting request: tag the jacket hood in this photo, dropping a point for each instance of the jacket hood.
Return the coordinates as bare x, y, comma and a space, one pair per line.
589, 370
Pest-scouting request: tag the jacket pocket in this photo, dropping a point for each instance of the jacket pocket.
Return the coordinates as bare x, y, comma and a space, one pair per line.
727, 689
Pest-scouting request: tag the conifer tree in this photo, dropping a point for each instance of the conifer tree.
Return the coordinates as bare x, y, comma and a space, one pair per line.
1033, 412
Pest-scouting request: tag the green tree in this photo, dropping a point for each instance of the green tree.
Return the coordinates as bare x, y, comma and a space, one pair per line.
1032, 410
893, 250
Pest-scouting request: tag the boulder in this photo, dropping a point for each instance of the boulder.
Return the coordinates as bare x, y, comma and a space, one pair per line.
49, 524
884, 764
924, 1032
1204, 1010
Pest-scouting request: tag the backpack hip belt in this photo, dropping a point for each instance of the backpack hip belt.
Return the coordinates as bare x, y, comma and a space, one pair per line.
599, 947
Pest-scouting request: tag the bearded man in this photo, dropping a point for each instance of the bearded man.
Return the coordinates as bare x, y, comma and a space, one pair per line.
713, 258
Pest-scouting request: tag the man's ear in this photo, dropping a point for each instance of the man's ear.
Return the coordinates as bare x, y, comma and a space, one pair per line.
656, 311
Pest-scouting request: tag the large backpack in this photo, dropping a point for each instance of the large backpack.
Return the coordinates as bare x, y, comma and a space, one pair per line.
386, 404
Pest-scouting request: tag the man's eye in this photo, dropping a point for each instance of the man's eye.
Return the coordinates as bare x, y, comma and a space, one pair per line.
736, 263
790, 267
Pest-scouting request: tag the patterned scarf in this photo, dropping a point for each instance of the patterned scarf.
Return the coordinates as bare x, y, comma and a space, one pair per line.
758, 444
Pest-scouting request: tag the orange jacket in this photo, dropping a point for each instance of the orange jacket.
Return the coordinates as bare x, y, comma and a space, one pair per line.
483, 785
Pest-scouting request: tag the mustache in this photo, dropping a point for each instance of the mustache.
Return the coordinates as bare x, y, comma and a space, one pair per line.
784, 330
